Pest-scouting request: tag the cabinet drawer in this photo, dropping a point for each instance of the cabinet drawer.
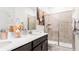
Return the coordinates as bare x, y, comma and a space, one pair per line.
39, 40
26, 47
38, 48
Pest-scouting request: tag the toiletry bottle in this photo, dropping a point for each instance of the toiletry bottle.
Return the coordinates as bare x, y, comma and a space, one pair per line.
11, 32
22, 28
17, 33
4, 34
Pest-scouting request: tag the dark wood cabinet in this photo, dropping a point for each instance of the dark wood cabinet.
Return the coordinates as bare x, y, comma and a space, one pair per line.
26, 47
40, 44
38, 48
45, 45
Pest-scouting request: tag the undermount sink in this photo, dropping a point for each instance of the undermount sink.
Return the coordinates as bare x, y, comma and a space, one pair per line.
36, 33
4, 43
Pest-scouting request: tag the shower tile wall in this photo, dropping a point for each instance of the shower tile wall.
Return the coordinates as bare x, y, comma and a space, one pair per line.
53, 28
61, 26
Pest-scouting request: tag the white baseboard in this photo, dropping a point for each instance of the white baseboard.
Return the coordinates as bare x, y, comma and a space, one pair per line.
68, 45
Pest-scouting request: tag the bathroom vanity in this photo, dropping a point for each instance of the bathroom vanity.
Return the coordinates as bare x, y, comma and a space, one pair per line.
39, 44
29, 42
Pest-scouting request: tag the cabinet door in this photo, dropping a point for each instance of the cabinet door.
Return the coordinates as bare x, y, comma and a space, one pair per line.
38, 48
39, 40
45, 46
26, 47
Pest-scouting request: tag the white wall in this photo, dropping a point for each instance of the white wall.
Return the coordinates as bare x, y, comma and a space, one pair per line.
76, 13
76, 18
8, 15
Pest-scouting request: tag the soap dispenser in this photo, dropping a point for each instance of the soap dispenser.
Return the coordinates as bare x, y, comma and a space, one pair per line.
11, 32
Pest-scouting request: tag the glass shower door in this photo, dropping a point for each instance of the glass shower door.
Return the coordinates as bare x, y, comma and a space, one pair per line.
60, 29
65, 34
51, 26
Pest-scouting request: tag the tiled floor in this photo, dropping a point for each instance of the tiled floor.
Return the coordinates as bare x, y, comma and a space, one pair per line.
58, 48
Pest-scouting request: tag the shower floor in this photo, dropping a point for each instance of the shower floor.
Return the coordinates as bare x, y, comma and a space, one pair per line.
52, 46
58, 48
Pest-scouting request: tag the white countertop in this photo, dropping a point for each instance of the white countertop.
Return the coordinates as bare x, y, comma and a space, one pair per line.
13, 43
